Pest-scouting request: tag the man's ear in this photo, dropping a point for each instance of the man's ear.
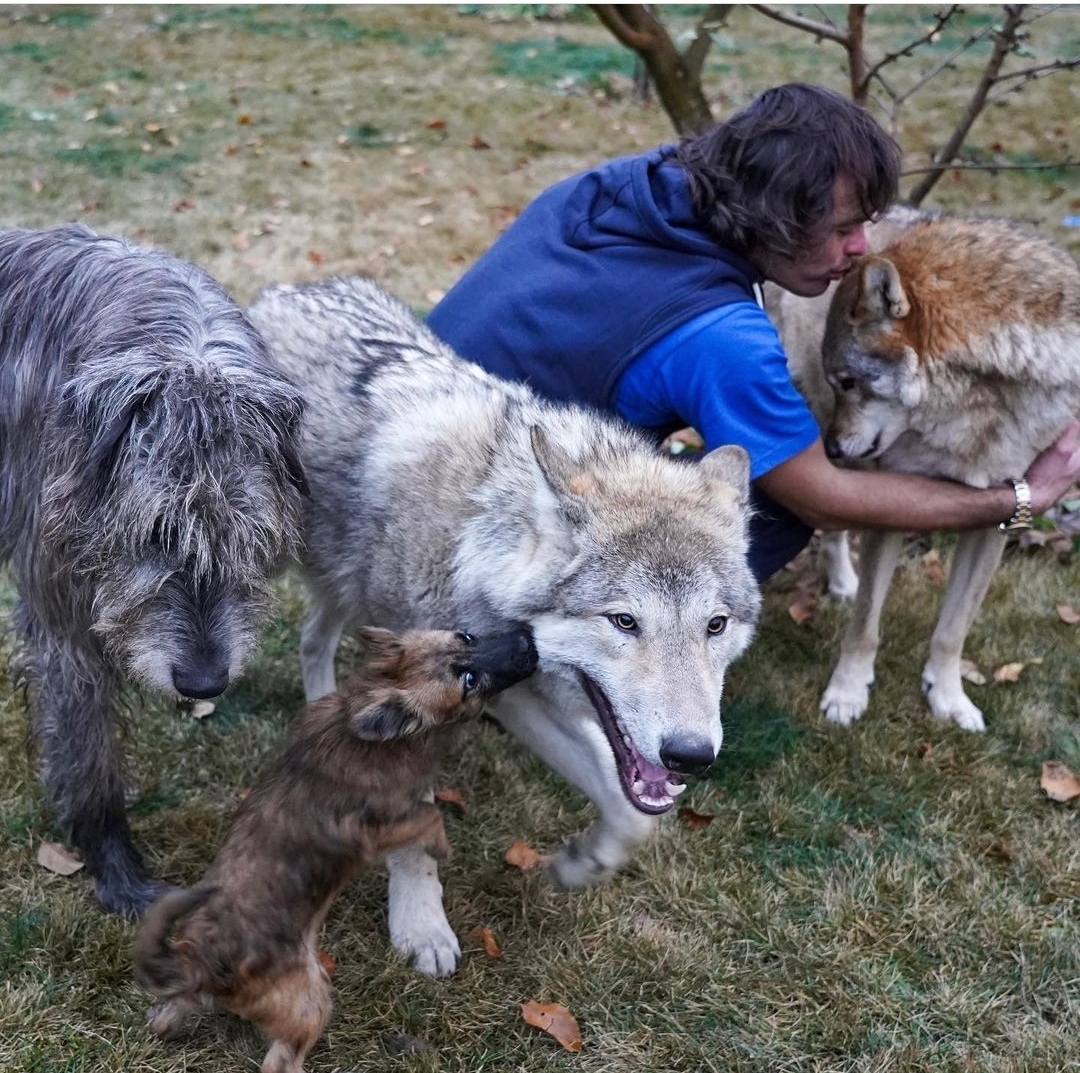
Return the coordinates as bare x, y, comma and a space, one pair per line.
386, 720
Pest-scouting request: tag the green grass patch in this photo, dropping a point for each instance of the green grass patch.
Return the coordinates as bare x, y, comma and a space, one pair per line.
558, 61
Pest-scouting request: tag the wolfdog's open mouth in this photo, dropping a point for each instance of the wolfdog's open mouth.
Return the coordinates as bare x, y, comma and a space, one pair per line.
650, 787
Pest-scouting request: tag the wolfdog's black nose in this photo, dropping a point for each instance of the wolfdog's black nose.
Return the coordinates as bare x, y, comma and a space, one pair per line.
201, 682
687, 755
832, 448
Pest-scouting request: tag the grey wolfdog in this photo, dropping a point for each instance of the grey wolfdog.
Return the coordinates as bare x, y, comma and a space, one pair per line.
350, 786
149, 485
442, 495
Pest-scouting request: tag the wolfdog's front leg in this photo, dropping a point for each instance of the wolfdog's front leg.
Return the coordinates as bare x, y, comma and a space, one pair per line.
569, 739
418, 925
848, 693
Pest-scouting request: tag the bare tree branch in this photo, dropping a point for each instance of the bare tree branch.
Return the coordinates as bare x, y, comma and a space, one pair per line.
941, 20
825, 30
1005, 40
973, 165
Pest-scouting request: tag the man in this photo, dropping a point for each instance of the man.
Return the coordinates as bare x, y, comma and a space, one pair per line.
633, 287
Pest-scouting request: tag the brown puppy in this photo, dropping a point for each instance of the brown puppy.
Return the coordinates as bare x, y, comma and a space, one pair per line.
349, 787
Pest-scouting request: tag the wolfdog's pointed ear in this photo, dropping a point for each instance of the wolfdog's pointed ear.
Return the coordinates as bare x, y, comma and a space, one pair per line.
881, 295
568, 483
386, 720
107, 440
731, 465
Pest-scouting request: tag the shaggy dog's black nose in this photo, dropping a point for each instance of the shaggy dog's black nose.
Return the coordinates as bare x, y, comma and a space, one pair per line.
687, 755
200, 683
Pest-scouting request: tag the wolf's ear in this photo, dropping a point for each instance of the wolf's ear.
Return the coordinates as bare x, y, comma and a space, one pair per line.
386, 721
880, 296
729, 464
565, 484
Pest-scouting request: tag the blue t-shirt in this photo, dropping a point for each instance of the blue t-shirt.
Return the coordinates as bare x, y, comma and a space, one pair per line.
725, 373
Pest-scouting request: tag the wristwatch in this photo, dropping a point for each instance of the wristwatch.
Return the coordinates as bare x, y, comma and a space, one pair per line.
1021, 517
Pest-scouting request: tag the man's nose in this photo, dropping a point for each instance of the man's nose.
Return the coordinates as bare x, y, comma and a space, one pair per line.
855, 246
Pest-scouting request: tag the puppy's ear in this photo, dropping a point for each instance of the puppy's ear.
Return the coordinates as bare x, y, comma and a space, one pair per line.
384, 648
881, 295
386, 720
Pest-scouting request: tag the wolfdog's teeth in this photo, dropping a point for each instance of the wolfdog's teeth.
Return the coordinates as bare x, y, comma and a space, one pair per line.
674, 788
638, 787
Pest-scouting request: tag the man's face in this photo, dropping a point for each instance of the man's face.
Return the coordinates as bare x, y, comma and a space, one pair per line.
833, 251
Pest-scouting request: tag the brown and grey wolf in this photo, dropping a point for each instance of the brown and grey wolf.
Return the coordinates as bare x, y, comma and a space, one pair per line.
350, 786
441, 494
953, 352
149, 489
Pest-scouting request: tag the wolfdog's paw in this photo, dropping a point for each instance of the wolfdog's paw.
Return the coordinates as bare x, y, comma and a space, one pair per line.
431, 946
952, 705
573, 866
844, 706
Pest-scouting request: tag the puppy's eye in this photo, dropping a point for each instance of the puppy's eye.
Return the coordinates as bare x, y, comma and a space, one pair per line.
717, 624
469, 682
623, 621
847, 383
465, 638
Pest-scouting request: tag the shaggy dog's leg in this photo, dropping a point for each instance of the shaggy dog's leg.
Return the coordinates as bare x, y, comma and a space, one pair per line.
978, 553
82, 768
319, 639
848, 693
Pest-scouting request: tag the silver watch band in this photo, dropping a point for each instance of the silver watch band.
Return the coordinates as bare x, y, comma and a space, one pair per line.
1021, 517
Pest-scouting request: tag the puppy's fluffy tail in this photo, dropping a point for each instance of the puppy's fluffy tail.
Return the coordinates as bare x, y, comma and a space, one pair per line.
164, 961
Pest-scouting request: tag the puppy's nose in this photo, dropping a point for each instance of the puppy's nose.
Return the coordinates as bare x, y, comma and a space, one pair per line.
832, 448
201, 682
687, 755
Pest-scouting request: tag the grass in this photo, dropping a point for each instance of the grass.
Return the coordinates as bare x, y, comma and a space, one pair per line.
892, 898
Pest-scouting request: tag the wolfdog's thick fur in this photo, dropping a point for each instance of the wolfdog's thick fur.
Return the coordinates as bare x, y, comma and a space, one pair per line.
954, 352
441, 494
350, 786
149, 483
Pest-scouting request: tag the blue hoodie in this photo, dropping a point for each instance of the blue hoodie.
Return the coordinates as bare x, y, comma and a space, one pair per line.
567, 297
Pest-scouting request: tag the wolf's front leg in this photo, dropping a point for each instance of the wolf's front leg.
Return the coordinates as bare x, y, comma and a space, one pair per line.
418, 925
569, 739
848, 693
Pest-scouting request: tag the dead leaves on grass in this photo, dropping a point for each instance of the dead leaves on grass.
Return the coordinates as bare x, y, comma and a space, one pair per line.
58, 859
555, 1020
1058, 782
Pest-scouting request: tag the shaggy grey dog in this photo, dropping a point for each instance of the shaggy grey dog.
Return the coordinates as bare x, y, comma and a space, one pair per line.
149, 486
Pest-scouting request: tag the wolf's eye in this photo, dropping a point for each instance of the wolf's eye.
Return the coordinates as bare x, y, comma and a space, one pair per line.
623, 621
468, 682
717, 624
847, 383
465, 638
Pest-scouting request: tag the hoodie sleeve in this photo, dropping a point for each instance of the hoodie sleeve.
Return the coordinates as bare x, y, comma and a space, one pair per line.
725, 374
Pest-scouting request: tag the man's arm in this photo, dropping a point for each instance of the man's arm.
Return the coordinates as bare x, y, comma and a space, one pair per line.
829, 497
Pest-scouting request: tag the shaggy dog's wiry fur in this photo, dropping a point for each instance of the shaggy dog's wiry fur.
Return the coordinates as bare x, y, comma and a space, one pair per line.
350, 786
149, 486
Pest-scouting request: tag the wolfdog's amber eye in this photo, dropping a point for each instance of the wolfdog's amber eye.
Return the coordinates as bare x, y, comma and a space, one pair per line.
624, 621
717, 624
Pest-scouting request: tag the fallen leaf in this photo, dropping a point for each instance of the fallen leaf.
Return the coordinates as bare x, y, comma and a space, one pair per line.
476, 142
926, 748
315, 257
435, 124
183, 205
58, 859
1010, 672
971, 673
1058, 782
932, 568
554, 1019
451, 797
1068, 614
491, 944
693, 819
522, 855
803, 608
327, 961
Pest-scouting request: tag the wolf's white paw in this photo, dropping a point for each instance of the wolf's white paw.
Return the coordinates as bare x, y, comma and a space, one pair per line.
573, 867
844, 710
847, 695
431, 946
950, 704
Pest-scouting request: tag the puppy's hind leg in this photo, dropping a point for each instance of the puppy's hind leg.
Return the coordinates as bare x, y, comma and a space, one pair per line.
168, 1019
978, 553
319, 640
292, 1011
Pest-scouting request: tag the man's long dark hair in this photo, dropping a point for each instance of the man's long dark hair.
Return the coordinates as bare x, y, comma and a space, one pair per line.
762, 181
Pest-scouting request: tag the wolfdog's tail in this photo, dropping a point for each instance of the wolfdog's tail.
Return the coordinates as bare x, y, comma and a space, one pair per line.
166, 964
